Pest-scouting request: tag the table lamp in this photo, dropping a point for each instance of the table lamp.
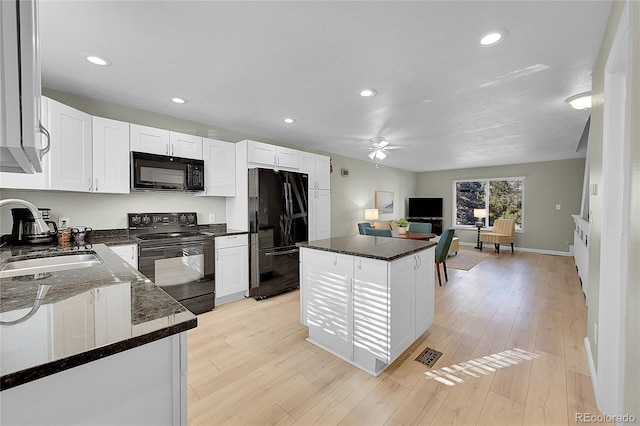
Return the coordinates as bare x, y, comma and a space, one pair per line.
479, 214
370, 214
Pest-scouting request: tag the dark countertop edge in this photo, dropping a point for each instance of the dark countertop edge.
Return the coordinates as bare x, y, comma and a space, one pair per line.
17, 378
369, 256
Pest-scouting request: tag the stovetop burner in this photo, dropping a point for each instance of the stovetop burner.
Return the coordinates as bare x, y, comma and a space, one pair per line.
154, 228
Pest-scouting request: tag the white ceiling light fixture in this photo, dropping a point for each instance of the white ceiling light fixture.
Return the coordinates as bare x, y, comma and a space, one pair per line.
581, 101
289, 120
179, 100
493, 38
99, 60
367, 93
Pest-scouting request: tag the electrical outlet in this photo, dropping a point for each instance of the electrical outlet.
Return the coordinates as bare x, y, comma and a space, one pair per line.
595, 333
64, 222
558, 206
212, 218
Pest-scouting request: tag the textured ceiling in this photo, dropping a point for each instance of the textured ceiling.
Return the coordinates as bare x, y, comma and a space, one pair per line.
442, 99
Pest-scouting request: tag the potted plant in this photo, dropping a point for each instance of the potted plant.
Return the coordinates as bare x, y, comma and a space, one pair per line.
403, 225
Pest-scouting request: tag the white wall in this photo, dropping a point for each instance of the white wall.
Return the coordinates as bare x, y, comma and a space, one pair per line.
352, 194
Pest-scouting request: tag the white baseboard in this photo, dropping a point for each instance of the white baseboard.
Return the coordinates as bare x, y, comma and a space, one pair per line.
525, 249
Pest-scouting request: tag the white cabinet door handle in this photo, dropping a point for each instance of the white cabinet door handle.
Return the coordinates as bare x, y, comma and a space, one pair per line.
90, 184
96, 184
166, 149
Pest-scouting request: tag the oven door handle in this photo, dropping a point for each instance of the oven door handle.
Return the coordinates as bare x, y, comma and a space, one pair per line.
281, 253
174, 246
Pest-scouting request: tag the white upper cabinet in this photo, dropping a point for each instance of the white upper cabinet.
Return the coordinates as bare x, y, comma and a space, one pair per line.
149, 139
276, 157
219, 167
71, 156
319, 214
163, 142
185, 146
110, 156
318, 169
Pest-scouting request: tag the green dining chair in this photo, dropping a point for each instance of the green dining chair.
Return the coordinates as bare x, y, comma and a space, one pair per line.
420, 227
378, 232
442, 251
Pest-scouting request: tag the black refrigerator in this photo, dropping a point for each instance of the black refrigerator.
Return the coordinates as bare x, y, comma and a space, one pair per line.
278, 219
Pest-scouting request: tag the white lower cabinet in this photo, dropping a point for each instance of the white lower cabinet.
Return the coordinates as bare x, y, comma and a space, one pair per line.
366, 311
129, 252
232, 268
146, 385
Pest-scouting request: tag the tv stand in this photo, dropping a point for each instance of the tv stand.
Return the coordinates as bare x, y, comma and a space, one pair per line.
436, 223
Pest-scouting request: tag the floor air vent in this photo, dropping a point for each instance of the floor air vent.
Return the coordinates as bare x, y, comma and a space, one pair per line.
429, 357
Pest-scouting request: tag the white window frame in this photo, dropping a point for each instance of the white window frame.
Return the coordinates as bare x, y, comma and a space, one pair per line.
454, 207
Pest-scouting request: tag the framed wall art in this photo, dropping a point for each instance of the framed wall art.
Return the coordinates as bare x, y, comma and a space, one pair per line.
384, 201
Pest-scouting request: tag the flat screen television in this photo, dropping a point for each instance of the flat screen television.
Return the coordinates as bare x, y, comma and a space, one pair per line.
425, 207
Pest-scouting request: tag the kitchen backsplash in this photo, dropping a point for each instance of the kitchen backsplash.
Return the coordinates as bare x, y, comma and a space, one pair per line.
109, 211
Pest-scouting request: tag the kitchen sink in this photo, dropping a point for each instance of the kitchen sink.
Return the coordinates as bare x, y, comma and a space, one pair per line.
49, 263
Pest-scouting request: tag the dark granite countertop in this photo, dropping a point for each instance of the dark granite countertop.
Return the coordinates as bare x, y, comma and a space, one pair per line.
85, 315
383, 248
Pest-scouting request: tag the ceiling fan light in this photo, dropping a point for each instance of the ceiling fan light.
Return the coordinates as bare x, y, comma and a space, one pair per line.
380, 155
372, 154
382, 144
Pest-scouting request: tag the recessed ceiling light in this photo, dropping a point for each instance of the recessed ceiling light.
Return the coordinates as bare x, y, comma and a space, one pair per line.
98, 60
367, 93
289, 120
581, 101
179, 100
493, 38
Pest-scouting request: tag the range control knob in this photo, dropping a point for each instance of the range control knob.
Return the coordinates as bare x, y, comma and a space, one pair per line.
183, 218
191, 218
146, 219
135, 220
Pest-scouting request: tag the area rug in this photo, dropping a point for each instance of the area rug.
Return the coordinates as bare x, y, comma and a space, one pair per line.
466, 259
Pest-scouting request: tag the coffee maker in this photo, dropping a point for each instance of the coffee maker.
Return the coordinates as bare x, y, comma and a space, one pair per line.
24, 229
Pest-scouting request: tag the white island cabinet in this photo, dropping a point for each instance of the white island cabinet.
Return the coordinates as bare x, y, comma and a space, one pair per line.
365, 308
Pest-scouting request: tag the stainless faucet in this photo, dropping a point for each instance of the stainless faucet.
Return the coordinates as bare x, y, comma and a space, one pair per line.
41, 225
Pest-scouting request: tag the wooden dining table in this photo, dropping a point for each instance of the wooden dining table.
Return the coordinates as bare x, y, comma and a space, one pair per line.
426, 236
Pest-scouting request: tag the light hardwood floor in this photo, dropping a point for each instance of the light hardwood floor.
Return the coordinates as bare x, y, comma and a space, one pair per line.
249, 362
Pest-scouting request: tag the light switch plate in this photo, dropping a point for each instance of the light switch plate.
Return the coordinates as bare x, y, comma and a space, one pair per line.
212, 218
558, 206
64, 222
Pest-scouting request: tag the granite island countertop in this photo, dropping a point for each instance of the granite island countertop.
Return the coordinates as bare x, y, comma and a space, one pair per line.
85, 315
383, 248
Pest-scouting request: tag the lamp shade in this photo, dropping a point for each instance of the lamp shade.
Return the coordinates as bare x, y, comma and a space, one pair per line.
370, 214
480, 213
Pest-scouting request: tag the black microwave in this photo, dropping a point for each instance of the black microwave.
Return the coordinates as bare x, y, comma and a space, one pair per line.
152, 172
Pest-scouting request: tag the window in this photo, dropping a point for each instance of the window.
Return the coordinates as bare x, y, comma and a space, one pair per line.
502, 198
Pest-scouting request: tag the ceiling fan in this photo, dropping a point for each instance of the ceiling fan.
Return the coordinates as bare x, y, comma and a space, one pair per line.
378, 149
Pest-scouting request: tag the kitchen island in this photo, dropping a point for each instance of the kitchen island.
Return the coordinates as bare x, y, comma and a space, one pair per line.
366, 299
104, 345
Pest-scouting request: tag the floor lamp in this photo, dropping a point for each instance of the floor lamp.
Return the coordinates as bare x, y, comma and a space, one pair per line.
479, 214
